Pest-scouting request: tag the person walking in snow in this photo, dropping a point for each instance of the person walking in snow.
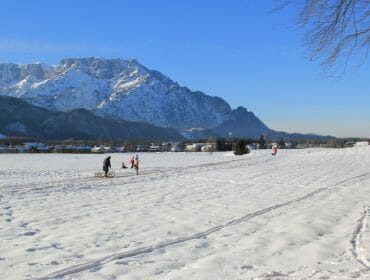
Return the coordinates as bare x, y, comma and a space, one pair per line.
106, 166
136, 164
132, 161
274, 150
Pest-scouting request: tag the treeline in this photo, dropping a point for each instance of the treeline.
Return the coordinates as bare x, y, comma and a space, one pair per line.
223, 144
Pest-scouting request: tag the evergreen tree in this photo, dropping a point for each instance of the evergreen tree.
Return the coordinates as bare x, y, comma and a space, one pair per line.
224, 145
240, 147
262, 142
282, 144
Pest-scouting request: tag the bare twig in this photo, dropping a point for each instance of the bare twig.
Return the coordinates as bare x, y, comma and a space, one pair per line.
335, 29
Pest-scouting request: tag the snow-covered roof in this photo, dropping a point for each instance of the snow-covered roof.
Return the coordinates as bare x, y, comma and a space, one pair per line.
361, 144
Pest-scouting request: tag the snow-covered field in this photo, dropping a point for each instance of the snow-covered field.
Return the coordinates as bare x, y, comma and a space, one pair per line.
303, 214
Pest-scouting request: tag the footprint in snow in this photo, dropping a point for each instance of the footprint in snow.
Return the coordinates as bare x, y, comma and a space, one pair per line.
23, 224
95, 269
31, 233
247, 266
122, 263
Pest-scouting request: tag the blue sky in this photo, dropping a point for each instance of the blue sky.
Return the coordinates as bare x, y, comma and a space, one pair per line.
238, 50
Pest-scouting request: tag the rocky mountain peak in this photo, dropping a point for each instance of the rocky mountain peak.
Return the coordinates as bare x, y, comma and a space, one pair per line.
116, 89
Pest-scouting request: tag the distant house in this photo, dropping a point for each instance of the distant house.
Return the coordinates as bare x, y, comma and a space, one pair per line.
107, 149
195, 147
171, 147
209, 147
97, 149
167, 146
9, 149
142, 148
350, 144
82, 149
57, 149
154, 148
120, 149
176, 149
30, 145
19, 149
34, 146
289, 145
361, 144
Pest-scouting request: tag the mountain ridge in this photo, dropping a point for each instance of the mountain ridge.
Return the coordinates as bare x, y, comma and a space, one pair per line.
114, 88
19, 118
128, 91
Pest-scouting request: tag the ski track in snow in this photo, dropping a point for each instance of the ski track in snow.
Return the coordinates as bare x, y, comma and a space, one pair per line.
148, 249
358, 252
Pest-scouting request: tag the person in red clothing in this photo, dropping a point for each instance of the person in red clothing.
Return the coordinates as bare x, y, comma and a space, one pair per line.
132, 161
274, 150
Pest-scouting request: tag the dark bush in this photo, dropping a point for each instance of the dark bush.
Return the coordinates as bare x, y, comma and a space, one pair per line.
240, 147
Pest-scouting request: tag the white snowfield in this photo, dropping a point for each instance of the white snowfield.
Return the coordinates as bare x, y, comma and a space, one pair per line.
303, 214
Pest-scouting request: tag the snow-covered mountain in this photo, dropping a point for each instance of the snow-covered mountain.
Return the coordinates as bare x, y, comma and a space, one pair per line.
120, 89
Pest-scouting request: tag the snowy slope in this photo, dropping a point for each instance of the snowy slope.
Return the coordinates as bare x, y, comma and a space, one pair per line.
303, 214
115, 88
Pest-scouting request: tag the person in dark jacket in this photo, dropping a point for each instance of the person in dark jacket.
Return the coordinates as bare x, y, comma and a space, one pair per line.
106, 166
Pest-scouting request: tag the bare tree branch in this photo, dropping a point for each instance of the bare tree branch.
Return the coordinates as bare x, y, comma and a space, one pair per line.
335, 29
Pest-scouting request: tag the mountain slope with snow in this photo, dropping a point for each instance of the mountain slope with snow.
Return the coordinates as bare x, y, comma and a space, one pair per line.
119, 89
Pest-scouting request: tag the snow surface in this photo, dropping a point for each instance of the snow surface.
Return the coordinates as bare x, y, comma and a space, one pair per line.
303, 214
